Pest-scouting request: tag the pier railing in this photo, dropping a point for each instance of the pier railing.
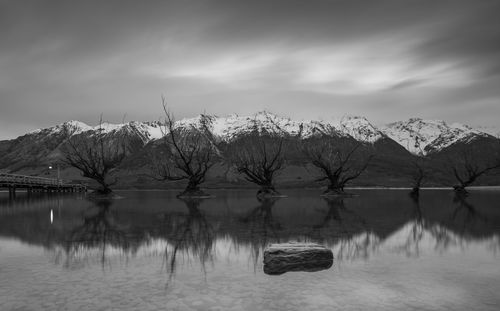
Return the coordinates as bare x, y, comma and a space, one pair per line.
24, 181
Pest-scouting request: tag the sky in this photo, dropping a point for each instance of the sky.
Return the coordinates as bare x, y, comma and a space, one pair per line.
385, 60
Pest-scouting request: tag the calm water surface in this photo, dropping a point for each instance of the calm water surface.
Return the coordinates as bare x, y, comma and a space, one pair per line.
151, 251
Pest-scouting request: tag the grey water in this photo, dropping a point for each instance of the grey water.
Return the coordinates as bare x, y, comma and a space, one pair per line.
152, 251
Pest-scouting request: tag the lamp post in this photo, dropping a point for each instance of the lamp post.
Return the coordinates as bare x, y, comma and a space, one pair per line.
58, 172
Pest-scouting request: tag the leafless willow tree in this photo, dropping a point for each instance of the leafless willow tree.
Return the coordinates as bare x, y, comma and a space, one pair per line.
259, 159
339, 162
96, 155
184, 155
418, 176
467, 169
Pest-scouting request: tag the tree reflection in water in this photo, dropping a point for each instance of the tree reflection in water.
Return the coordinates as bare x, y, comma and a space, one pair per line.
416, 229
352, 227
466, 210
98, 232
262, 227
346, 229
188, 233
420, 229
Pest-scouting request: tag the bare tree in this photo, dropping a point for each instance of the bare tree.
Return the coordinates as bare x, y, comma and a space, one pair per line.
418, 177
187, 155
338, 162
259, 159
95, 155
467, 169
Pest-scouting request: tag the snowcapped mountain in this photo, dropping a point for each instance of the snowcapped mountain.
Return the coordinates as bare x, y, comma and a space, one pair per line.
44, 145
422, 137
146, 131
392, 145
418, 136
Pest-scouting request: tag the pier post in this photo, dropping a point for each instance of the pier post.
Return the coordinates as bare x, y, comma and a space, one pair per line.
12, 191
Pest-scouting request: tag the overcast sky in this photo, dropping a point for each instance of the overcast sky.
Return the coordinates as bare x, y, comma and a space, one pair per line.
386, 60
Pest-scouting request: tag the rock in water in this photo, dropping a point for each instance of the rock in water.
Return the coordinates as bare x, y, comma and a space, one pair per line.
285, 257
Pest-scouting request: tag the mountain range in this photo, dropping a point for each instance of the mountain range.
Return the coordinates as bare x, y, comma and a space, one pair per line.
404, 140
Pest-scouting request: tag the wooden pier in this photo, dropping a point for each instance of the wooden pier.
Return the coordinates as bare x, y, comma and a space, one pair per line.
14, 182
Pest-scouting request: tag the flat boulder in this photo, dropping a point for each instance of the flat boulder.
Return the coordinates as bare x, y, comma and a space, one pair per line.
285, 257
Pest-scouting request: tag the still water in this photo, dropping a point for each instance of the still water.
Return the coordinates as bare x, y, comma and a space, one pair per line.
151, 251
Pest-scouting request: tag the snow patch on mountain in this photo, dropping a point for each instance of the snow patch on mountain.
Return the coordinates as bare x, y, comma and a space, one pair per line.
358, 127
229, 127
152, 130
72, 126
491, 130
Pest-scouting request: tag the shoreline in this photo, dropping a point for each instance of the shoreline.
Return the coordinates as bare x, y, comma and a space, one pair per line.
295, 188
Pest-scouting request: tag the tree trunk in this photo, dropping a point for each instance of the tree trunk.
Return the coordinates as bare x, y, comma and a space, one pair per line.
415, 192
267, 191
460, 189
335, 188
192, 186
193, 190
105, 189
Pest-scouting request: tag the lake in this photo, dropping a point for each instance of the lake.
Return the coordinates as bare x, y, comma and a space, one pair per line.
152, 251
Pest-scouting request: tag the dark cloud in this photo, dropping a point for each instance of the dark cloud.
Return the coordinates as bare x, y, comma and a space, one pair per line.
383, 59
471, 39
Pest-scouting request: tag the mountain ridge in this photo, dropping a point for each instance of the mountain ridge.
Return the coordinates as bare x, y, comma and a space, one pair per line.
34, 152
419, 136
